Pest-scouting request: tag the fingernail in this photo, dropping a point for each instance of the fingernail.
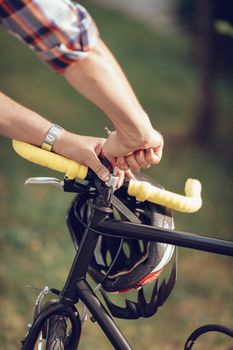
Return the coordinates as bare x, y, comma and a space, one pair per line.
104, 176
156, 159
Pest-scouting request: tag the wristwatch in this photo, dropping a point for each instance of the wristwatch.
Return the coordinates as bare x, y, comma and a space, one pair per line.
51, 136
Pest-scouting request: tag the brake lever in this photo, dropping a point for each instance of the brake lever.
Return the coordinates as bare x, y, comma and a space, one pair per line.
45, 181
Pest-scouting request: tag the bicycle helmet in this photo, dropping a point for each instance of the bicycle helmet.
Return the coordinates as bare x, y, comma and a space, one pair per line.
138, 262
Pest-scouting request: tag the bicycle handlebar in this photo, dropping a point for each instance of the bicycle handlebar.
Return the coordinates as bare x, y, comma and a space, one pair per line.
142, 190
50, 160
190, 203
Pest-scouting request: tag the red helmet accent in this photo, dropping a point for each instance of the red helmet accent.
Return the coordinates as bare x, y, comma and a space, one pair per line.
149, 278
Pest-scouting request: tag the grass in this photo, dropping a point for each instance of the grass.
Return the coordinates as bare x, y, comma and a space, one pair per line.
35, 246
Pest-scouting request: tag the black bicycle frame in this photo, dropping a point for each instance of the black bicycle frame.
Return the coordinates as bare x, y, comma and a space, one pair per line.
76, 287
154, 234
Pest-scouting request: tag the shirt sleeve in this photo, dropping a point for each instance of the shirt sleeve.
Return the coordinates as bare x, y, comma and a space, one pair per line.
61, 32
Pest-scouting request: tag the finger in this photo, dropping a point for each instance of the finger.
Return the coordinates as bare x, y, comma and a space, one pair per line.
95, 164
122, 164
153, 156
121, 177
112, 160
122, 174
159, 153
141, 159
132, 163
99, 146
129, 174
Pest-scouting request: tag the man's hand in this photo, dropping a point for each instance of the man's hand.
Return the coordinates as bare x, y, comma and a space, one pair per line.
136, 152
84, 150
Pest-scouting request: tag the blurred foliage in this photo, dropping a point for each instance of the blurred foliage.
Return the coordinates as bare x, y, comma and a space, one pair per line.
35, 246
189, 17
224, 28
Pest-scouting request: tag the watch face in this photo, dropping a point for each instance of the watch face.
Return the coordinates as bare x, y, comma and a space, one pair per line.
51, 137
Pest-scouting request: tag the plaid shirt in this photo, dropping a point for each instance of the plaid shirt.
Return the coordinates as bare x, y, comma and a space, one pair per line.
60, 31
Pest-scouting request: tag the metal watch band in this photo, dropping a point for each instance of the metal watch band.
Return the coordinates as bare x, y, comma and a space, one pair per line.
51, 137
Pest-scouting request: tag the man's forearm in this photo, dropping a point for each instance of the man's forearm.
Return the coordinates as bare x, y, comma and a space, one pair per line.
100, 79
21, 123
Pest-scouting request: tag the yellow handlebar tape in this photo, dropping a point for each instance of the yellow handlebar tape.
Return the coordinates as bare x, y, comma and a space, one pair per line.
50, 160
189, 203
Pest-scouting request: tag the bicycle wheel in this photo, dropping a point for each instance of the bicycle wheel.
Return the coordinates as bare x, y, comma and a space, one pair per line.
53, 335
55, 327
56, 333
61, 331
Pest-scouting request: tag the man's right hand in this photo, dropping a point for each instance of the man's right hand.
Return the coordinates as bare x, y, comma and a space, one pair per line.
134, 153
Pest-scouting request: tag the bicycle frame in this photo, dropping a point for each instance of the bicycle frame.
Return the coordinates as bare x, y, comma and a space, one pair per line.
77, 288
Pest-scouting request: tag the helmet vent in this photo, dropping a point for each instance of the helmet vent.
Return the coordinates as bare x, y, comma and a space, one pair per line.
108, 258
126, 249
141, 246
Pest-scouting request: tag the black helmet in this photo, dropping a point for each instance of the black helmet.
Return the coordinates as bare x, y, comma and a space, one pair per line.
138, 262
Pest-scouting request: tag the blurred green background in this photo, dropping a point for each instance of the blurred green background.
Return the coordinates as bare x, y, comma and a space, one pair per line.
35, 246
